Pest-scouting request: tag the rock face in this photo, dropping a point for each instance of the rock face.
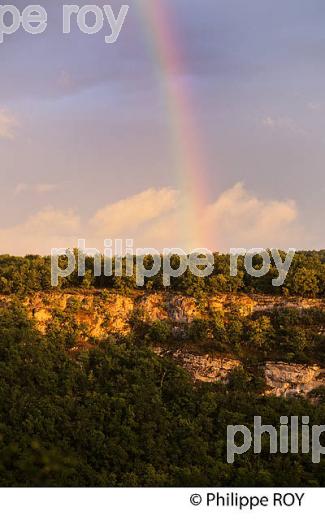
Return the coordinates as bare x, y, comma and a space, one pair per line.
100, 313
175, 308
207, 368
105, 312
289, 380
281, 379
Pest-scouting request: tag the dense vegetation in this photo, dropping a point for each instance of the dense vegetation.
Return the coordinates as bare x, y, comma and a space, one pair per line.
117, 415
281, 334
306, 277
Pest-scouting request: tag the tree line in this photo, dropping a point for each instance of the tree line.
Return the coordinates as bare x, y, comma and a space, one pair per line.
306, 277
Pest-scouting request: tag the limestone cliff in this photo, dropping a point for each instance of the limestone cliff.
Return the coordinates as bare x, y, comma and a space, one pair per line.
206, 368
283, 379
107, 311
100, 313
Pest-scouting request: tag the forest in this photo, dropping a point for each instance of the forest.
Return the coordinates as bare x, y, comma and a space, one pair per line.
306, 277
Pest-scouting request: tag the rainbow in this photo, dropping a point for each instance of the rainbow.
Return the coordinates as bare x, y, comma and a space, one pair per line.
184, 139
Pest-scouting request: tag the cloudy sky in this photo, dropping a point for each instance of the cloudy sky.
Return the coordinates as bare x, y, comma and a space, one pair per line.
87, 132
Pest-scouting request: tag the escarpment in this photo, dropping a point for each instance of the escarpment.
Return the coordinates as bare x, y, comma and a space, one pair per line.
108, 311
95, 315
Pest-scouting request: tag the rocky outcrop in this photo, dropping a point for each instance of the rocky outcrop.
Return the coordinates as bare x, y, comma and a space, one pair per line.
175, 308
99, 314
248, 304
206, 368
283, 379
